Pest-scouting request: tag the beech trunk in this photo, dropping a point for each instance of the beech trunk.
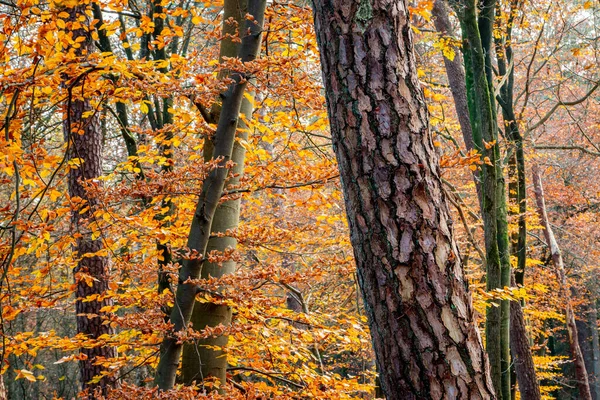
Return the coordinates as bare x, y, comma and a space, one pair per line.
212, 190
409, 268
206, 358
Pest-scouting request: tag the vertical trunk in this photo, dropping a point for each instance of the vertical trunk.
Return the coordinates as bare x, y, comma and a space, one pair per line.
485, 130
3, 393
559, 268
85, 143
587, 330
208, 201
458, 84
593, 323
584, 334
408, 265
486, 18
521, 353
205, 358
519, 340
455, 73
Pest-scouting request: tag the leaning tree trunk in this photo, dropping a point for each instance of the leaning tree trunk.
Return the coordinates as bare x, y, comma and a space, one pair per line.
205, 358
559, 268
92, 271
409, 269
212, 190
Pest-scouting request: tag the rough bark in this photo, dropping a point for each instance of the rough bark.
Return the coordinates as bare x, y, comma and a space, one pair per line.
521, 354
559, 269
206, 358
409, 269
92, 271
212, 190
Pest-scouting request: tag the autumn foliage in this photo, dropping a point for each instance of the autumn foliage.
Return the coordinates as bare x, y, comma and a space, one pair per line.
299, 327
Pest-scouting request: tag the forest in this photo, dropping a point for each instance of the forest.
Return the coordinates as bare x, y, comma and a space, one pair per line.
294, 199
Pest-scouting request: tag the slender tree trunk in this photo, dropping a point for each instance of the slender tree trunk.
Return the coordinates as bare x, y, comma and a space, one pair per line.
206, 358
559, 268
92, 272
456, 74
409, 269
485, 131
486, 18
519, 339
212, 190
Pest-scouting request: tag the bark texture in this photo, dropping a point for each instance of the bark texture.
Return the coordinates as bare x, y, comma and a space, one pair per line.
409, 269
559, 268
212, 190
521, 354
92, 271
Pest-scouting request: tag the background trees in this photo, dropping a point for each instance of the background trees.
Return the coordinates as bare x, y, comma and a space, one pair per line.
151, 81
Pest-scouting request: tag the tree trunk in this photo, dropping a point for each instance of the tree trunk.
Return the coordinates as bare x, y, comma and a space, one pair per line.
455, 74
593, 323
559, 268
212, 190
205, 358
519, 339
584, 336
485, 134
521, 354
409, 269
92, 272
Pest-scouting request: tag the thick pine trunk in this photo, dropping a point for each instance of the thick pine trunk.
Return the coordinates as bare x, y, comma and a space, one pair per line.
559, 268
409, 269
92, 272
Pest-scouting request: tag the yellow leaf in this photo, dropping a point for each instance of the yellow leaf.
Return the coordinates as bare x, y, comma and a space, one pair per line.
23, 373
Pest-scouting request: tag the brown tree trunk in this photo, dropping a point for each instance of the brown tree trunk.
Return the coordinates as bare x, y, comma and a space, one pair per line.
584, 336
559, 268
521, 354
409, 269
92, 272
593, 323
455, 74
